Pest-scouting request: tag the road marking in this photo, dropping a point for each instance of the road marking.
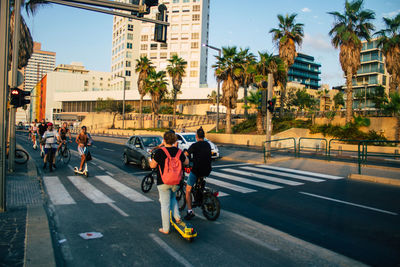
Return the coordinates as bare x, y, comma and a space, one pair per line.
170, 250
349, 203
89, 190
230, 165
246, 181
289, 175
230, 186
93, 163
109, 173
256, 241
112, 205
222, 194
101, 168
256, 175
320, 175
123, 189
107, 149
57, 192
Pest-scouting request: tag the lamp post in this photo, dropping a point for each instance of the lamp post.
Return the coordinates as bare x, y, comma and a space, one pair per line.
123, 102
218, 81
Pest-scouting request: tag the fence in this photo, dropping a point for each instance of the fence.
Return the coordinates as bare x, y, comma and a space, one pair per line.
363, 151
279, 146
317, 147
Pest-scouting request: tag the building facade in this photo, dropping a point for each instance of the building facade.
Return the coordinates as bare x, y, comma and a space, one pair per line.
132, 39
305, 71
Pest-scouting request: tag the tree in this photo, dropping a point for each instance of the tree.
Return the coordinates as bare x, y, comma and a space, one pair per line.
255, 99
303, 100
143, 66
228, 69
338, 100
176, 70
249, 70
286, 37
112, 106
213, 97
379, 97
156, 85
389, 40
393, 106
348, 29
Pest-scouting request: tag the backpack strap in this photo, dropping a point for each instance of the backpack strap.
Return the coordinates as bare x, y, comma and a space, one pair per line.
163, 148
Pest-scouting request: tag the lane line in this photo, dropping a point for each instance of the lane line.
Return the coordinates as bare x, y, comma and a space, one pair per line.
320, 175
264, 177
95, 164
230, 165
57, 192
107, 149
289, 175
170, 250
112, 205
246, 181
109, 173
233, 187
256, 241
89, 190
349, 203
123, 189
101, 168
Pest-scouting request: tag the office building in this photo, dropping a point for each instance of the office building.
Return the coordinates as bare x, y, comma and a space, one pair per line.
305, 71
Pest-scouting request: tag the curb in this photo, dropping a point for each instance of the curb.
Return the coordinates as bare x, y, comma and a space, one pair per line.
255, 161
375, 179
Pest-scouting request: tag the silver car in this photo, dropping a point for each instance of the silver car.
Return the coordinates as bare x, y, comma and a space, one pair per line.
138, 147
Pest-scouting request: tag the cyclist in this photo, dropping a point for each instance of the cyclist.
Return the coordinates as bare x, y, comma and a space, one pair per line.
33, 134
83, 140
40, 131
63, 135
50, 138
200, 153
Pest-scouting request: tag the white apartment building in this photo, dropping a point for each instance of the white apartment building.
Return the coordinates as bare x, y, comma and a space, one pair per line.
132, 39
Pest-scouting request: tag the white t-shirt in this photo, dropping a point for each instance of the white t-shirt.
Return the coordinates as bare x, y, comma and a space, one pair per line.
51, 139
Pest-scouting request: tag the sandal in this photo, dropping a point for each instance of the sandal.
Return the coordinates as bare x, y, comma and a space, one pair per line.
162, 231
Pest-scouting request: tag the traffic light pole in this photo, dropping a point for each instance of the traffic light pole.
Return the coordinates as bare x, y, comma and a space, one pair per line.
269, 115
4, 22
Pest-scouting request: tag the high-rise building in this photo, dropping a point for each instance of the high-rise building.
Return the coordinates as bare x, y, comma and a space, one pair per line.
189, 21
305, 71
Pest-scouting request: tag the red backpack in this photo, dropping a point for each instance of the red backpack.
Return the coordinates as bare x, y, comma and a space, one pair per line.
172, 174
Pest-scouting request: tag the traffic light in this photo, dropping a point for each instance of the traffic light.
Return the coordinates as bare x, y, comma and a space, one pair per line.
160, 31
148, 3
271, 105
18, 97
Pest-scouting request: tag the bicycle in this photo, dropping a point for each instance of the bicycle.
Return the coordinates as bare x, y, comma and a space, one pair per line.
203, 197
21, 156
64, 154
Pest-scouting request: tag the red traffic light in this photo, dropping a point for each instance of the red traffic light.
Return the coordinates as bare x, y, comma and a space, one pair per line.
15, 91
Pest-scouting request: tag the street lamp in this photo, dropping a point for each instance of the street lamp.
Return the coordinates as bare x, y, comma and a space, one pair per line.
123, 102
218, 86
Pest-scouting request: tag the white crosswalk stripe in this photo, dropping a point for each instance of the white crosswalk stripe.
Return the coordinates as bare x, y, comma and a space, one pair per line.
246, 181
123, 189
233, 187
320, 175
89, 190
268, 178
289, 175
57, 192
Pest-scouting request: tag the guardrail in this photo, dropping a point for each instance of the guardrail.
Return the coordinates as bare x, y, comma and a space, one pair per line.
363, 151
340, 140
316, 148
279, 148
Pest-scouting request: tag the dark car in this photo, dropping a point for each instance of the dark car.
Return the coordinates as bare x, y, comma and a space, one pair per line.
137, 149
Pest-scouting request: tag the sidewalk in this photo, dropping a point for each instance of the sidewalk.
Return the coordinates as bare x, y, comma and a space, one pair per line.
24, 230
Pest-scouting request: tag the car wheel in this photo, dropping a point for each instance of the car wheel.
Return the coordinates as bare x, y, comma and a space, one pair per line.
125, 159
143, 164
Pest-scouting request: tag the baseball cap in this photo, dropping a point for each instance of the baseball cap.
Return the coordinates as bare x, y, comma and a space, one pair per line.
50, 124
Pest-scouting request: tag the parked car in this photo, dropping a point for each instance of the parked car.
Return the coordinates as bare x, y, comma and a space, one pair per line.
137, 149
185, 140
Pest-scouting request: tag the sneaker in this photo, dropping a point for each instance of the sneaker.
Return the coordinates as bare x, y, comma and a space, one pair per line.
54, 166
189, 215
44, 166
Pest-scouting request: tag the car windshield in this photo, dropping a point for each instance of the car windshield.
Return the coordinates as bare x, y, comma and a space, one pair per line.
151, 141
189, 138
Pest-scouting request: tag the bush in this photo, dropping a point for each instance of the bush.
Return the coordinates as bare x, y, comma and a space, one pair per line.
246, 126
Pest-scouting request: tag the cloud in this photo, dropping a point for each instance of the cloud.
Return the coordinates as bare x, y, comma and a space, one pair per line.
318, 43
306, 9
391, 14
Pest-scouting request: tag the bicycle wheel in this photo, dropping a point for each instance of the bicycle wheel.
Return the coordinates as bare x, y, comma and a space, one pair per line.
147, 183
182, 197
66, 155
21, 157
211, 207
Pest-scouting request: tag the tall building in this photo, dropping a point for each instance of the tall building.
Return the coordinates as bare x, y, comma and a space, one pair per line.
305, 71
371, 74
189, 22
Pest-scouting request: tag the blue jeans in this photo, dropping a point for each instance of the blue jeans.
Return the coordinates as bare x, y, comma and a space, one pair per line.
168, 202
192, 179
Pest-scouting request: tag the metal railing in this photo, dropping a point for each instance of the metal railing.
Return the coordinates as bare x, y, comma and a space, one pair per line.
278, 148
316, 148
341, 150
363, 151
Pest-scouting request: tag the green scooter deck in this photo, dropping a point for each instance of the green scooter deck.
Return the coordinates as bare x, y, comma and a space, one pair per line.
185, 229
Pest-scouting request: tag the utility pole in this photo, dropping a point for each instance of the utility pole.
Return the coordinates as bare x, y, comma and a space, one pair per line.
269, 114
4, 23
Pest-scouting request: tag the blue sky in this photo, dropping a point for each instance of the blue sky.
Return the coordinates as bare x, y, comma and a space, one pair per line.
84, 36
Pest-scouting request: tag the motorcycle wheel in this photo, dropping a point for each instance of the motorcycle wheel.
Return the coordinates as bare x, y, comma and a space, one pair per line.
211, 207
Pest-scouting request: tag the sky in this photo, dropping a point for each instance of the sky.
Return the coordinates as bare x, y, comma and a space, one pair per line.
84, 36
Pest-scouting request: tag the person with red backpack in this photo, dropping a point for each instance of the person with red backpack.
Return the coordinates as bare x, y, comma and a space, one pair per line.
169, 160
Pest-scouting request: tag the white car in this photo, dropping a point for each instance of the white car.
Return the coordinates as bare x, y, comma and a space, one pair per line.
185, 140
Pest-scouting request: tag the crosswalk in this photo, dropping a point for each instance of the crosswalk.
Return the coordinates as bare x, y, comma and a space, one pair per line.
243, 179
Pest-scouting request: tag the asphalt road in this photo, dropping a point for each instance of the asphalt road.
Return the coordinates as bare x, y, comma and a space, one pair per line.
270, 217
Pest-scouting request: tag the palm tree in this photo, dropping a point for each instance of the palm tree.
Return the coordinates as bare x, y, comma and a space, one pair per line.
389, 40
176, 70
287, 36
394, 107
347, 30
255, 98
143, 66
228, 69
248, 64
156, 85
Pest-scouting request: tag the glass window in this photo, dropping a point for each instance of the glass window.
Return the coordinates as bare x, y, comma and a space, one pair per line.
143, 47
127, 73
128, 64
175, 1
129, 45
130, 27
195, 35
195, 17
153, 47
196, 8
195, 45
144, 38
